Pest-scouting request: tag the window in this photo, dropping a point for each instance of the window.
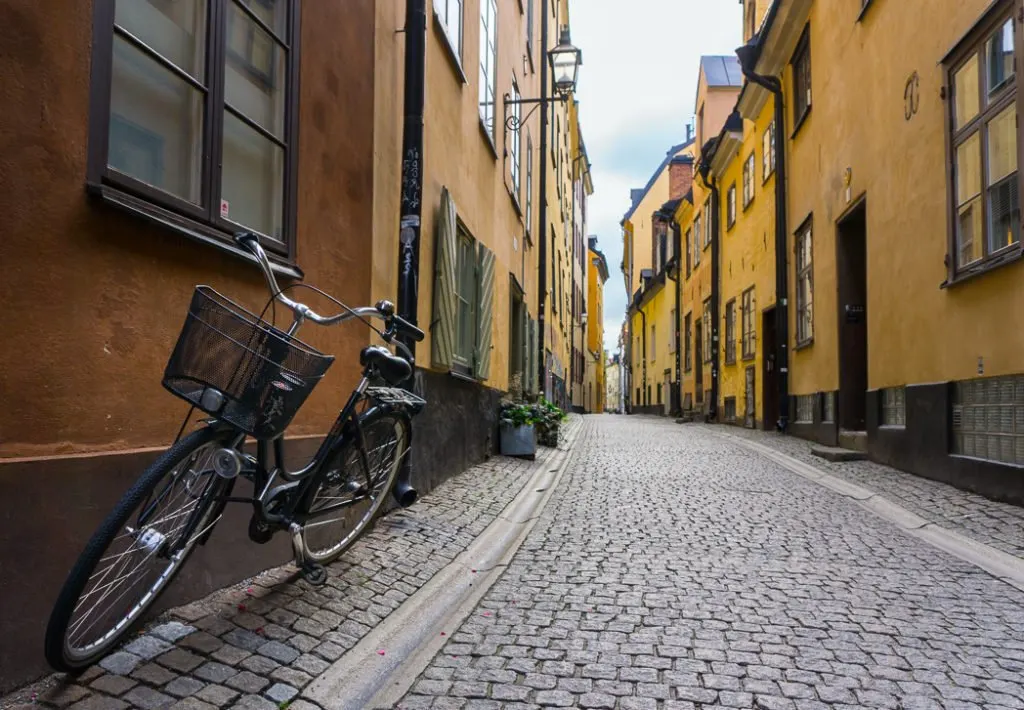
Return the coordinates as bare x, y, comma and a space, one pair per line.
465, 291
768, 153
894, 411
748, 181
659, 393
707, 223
707, 323
185, 83
689, 252
687, 343
804, 287
654, 348
513, 147
802, 80
730, 409
731, 207
988, 419
828, 407
805, 408
730, 332
488, 62
449, 13
529, 184
983, 146
749, 327
529, 30
696, 239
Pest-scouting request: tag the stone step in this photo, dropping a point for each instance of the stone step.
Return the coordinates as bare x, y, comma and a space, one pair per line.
854, 440
835, 453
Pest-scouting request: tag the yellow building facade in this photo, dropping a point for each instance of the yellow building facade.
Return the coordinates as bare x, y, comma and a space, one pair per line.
594, 394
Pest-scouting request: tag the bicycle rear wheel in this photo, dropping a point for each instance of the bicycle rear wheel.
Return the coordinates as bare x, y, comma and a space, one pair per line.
343, 503
135, 552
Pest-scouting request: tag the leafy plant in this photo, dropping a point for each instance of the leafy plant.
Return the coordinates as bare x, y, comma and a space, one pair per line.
514, 414
548, 418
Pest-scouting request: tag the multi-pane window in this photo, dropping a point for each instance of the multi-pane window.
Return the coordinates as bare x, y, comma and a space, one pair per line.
706, 325
196, 113
748, 180
894, 411
513, 144
730, 217
802, 80
986, 190
689, 252
768, 152
805, 408
708, 222
687, 343
529, 30
449, 12
749, 327
804, 286
529, 184
730, 332
488, 62
988, 419
696, 239
466, 299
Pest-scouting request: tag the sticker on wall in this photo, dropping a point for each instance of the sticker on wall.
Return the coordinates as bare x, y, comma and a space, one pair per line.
224, 208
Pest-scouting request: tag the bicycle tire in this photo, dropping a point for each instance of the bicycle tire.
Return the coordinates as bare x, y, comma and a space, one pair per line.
351, 470
56, 648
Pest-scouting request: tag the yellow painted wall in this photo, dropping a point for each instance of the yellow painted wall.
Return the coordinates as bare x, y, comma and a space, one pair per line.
747, 259
595, 304
918, 332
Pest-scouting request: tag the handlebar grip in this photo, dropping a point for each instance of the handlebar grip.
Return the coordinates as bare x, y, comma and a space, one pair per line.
406, 328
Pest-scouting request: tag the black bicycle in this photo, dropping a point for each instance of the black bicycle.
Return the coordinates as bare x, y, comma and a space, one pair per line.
251, 378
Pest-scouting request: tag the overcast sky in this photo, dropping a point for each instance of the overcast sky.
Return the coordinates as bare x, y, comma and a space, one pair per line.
636, 91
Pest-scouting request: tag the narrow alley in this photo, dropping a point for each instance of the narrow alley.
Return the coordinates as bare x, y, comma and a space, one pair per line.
672, 567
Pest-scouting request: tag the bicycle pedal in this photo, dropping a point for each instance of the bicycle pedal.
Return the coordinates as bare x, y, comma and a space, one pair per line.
315, 574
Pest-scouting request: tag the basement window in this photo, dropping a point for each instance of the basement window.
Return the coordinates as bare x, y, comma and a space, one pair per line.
894, 411
805, 408
988, 419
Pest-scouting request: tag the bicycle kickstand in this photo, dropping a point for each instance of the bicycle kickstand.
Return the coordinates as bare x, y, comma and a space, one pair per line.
312, 572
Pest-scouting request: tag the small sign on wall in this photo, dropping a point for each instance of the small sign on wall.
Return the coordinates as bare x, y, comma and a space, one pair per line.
225, 208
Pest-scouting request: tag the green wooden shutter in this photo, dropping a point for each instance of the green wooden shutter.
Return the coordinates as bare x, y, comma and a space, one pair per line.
443, 326
484, 312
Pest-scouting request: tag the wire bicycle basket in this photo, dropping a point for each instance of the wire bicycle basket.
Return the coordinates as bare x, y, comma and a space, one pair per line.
232, 364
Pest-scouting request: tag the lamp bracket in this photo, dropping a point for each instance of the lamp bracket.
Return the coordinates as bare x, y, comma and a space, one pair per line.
513, 123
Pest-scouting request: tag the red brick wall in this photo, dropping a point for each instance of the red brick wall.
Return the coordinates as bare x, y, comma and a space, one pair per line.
680, 178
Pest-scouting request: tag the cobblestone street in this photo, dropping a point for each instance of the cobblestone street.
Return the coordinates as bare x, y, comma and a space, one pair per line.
674, 569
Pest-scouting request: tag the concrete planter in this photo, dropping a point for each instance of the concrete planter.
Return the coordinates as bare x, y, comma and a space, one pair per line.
519, 441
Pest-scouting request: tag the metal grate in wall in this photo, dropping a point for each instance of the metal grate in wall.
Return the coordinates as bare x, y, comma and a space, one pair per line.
988, 419
894, 408
805, 408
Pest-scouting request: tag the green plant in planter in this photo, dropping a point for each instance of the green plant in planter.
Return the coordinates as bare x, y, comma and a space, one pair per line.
516, 414
548, 418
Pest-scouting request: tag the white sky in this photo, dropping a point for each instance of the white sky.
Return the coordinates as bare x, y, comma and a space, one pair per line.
636, 91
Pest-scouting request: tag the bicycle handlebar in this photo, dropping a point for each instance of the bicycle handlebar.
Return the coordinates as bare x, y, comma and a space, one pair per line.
383, 310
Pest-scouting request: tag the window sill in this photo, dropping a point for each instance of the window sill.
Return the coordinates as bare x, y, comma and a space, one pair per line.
515, 202
488, 139
461, 372
449, 50
800, 123
730, 362
892, 427
749, 358
804, 344
1010, 256
864, 10
187, 227
767, 177
747, 206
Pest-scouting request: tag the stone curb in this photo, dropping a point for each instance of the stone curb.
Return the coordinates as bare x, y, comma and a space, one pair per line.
382, 667
1002, 565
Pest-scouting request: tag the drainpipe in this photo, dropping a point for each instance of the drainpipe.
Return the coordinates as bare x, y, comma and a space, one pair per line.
412, 164
643, 385
748, 59
677, 240
716, 283
542, 267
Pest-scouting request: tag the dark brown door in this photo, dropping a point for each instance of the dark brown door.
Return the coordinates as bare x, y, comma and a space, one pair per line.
698, 364
851, 263
769, 381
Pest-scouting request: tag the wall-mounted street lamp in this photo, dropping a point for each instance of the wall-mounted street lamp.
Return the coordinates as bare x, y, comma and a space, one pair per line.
565, 61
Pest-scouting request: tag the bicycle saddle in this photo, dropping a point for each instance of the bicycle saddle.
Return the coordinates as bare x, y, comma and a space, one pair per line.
391, 367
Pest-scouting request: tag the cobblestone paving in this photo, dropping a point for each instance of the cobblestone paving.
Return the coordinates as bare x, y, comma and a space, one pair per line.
1000, 525
258, 645
674, 570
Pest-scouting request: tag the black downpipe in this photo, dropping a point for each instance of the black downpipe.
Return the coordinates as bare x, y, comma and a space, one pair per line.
542, 227
773, 85
403, 492
412, 165
716, 292
677, 239
643, 385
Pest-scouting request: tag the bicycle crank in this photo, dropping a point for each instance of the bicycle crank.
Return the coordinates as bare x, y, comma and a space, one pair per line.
312, 572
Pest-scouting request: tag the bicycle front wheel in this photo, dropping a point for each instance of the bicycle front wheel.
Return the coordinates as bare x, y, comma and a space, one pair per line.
345, 500
135, 552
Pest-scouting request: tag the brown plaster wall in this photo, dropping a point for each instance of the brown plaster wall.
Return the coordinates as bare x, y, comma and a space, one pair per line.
93, 299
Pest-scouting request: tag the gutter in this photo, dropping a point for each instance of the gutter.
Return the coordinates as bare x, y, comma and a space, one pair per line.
542, 226
748, 55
